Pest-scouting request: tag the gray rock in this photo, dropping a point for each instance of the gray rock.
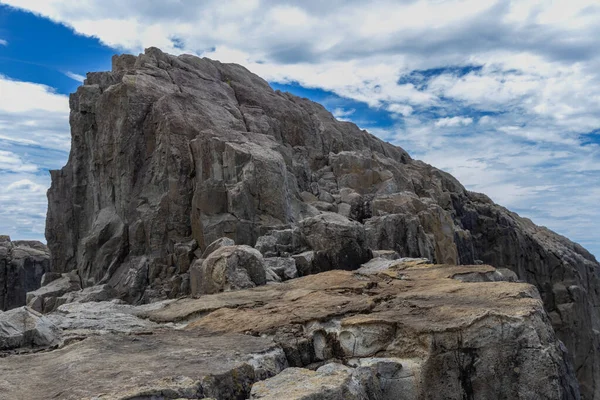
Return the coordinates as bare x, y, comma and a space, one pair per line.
283, 267
187, 149
196, 276
91, 294
168, 364
24, 327
330, 382
398, 377
338, 243
47, 296
281, 243
411, 331
80, 319
217, 244
22, 266
305, 263
49, 277
230, 268
376, 265
386, 254
184, 254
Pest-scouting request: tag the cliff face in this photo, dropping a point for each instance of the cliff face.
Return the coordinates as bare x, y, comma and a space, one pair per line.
22, 264
170, 153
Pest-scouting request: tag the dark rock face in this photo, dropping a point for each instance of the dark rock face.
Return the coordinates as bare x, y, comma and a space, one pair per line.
169, 153
22, 264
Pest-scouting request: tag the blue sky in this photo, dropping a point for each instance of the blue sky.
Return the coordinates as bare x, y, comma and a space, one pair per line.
505, 95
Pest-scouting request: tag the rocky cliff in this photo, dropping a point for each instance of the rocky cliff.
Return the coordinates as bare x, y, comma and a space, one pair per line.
171, 153
22, 265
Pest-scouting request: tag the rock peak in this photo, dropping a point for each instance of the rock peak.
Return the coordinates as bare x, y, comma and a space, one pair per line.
170, 153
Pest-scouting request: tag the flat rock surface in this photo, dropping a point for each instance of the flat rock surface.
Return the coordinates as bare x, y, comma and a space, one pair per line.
425, 296
118, 366
485, 339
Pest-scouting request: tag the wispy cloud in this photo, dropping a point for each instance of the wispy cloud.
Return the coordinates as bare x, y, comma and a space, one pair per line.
3, 42
74, 76
449, 122
343, 114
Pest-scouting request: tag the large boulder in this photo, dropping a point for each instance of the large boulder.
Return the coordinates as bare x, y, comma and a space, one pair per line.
283, 267
46, 298
22, 265
338, 243
230, 268
329, 382
24, 327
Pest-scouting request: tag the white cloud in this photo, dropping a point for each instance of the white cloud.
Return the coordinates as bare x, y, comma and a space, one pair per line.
451, 122
517, 81
74, 76
12, 162
402, 109
20, 97
23, 200
343, 114
3, 42
33, 114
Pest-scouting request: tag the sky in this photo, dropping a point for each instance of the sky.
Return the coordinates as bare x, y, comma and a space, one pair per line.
504, 95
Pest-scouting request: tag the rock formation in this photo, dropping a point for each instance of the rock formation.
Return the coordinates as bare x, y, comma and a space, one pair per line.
22, 265
172, 153
410, 330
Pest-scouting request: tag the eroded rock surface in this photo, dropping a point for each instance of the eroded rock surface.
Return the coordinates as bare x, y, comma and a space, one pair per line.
171, 153
410, 331
24, 327
22, 265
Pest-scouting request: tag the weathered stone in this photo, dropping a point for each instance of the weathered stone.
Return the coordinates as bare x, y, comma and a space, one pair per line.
398, 377
409, 331
22, 266
49, 277
168, 149
165, 365
91, 294
48, 294
438, 326
230, 268
217, 244
386, 254
338, 243
283, 267
330, 382
94, 318
196, 276
24, 327
281, 243
305, 263
184, 254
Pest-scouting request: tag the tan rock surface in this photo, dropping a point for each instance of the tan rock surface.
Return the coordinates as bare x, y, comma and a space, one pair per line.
413, 330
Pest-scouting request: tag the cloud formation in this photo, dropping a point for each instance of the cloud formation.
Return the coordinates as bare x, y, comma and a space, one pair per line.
75, 77
34, 137
503, 94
